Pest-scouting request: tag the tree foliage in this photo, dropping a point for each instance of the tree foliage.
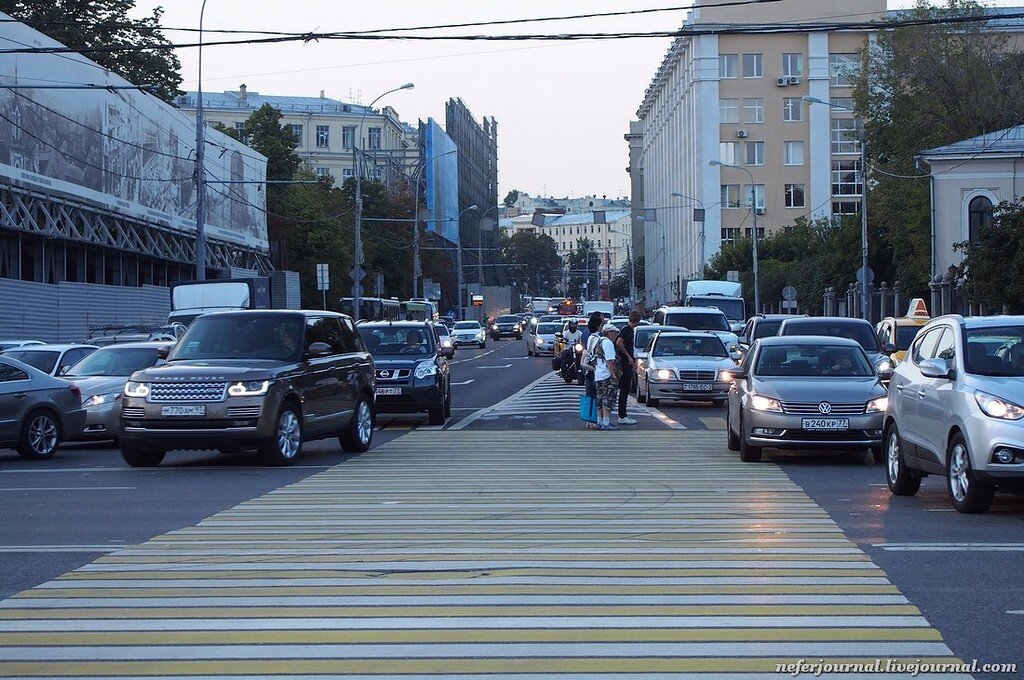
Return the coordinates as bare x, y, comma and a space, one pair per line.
990, 273
923, 87
533, 258
96, 23
511, 198
585, 270
620, 284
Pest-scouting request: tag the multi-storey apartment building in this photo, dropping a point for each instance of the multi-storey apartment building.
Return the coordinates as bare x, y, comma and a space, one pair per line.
738, 99
325, 130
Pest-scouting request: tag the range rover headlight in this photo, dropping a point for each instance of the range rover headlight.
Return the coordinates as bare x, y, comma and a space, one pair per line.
425, 369
136, 389
249, 388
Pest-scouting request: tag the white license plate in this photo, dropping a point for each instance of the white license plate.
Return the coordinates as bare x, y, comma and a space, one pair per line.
697, 387
388, 391
825, 423
185, 411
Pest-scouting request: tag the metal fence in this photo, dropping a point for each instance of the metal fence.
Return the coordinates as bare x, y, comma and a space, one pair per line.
64, 312
886, 300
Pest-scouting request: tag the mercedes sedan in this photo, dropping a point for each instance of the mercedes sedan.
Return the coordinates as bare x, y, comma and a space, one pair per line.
805, 392
684, 366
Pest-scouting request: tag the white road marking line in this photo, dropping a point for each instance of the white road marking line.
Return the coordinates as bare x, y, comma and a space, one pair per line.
60, 548
504, 366
673, 424
69, 488
950, 547
164, 468
464, 382
473, 417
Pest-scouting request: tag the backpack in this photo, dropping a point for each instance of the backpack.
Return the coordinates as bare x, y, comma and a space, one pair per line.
588, 364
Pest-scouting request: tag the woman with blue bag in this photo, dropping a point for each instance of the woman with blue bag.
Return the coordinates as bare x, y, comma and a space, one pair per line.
588, 402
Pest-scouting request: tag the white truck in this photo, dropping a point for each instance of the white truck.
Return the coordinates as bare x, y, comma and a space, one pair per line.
190, 299
606, 307
726, 296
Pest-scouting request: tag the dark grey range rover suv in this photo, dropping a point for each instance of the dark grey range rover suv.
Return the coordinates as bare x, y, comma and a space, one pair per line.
259, 379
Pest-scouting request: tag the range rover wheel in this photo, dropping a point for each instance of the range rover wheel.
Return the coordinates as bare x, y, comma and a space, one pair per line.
902, 480
40, 436
359, 433
140, 456
287, 442
968, 493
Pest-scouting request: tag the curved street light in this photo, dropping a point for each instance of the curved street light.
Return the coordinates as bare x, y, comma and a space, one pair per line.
703, 226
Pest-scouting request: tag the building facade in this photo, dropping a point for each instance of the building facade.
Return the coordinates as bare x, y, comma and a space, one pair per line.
526, 204
325, 130
969, 179
737, 100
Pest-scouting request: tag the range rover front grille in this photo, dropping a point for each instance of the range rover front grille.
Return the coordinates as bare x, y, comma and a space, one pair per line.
133, 412
173, 393
244, 411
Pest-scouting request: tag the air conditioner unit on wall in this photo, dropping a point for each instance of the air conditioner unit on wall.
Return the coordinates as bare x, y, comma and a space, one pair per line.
742, 134
794, 80
760, 211
782, 82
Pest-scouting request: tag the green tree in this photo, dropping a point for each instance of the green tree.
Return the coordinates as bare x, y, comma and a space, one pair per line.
620, 285
535, 257
511, 198
585, 270
98, 23
990, 272
927, 86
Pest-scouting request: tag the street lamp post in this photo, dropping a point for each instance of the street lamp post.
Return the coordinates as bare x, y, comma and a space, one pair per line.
703, 226
357, 278
753, 211
479, 245
458, 259
200, 162
864, 302
663, 276
417, 269
632, 269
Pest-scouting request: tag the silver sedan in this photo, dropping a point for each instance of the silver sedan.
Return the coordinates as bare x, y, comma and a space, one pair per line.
805, 392
684, 366
37, 411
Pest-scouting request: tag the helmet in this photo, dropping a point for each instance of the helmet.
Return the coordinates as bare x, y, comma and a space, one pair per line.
572, 325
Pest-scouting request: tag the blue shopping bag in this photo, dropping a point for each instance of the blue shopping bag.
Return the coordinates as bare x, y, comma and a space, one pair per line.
588, 409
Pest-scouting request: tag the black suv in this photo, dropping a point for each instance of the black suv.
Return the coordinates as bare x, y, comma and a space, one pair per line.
266, 380
762, 326
507, 325
412, 371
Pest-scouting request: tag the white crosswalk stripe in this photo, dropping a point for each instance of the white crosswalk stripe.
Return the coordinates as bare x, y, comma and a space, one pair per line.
551, 394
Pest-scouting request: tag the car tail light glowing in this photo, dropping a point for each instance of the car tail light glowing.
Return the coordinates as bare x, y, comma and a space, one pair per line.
75, 390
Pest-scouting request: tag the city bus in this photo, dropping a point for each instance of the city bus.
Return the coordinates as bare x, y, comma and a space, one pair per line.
372, 309
418, 310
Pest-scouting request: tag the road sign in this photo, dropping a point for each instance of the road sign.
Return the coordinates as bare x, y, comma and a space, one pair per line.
732, 275
323, 277
789, 293
863, 278
378, 284
789, 304
356, 273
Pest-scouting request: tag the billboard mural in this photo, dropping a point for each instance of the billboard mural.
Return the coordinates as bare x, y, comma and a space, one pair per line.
120, 150
442, 190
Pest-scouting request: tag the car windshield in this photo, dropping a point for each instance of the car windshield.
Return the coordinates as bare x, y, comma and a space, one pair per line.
996, 351
733, 309
42, 359
242, 336
668, 346
548, 328
441, 329
765, 329
508, 319
392, 340
905, 336
467, 326
861, 333
643, 335
698, 321
114, 361
813, 361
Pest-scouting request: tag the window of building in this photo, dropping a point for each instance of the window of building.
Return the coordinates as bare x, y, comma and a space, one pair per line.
792, 109
728, 65
376, 173
845, 135
240, 128
727, 152
845, 207
753, 110
348, 136
846, 178
758, 196
323, 172
729, 110
373, 138
323, 136
792, 64
753, 153
979, 214
843, 69
749, 231
753, 66
730, 195
296, 130
795, 195
16, 131
793, 153
729, 234
347, 172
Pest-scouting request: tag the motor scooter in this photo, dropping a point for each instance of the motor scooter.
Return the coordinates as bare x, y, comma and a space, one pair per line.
570, 370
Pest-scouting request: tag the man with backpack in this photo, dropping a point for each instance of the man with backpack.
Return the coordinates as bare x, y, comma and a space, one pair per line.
606, 375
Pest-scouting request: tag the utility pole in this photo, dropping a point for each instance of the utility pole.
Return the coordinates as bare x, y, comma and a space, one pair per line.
200, 162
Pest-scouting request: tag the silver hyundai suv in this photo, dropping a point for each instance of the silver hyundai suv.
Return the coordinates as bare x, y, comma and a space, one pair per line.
956, 409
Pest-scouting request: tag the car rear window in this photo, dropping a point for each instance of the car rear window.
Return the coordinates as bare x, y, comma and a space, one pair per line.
861, 333
392, 340
813, 361
42, 359
668, 346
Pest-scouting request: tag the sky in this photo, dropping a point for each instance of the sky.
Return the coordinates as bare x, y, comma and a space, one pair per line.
562, 108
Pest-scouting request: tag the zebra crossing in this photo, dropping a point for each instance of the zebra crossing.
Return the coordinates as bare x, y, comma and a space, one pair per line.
550, 395
483, 554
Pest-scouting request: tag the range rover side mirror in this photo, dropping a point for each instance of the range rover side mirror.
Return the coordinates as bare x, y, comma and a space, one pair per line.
162, 352
937, 368
318, 349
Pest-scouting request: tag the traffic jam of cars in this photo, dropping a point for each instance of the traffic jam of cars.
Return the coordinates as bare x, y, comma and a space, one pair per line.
924, 396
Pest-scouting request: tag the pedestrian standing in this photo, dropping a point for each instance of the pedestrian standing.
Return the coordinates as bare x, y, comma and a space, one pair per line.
590, 340
627, 359
606, 376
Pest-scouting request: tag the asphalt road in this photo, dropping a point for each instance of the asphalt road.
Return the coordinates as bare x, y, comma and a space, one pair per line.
964, 572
